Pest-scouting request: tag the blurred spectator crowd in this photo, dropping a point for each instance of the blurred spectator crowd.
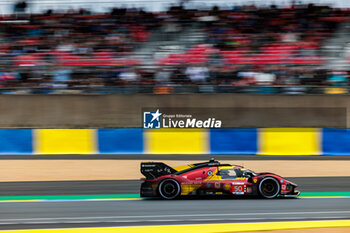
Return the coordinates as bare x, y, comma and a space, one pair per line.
243, 46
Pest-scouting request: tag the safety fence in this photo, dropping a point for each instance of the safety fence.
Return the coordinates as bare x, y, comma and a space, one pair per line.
264, 141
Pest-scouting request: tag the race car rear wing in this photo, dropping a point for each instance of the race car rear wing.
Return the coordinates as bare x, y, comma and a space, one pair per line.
152, 170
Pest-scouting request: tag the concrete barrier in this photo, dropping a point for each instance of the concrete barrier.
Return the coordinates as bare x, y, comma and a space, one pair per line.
233, 141
125, 111
120, 141
176, 141
336, 141
64, 141
289, 141
267, 141
16, 141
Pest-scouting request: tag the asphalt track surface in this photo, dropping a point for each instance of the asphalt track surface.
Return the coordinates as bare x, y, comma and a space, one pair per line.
306, 184
31, 215
65, 214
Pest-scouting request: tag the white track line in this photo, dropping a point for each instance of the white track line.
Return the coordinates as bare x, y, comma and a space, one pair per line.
172, 216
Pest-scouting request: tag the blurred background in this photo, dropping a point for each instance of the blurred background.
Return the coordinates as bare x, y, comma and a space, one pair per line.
293, 47
77, 76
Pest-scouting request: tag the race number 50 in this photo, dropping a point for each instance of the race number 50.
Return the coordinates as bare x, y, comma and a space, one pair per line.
238, 188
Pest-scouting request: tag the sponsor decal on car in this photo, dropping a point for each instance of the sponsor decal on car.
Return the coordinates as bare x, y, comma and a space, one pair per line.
238, 188
227, 186
191, 183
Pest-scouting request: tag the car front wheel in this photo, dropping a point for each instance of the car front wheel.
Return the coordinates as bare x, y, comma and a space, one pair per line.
269, 187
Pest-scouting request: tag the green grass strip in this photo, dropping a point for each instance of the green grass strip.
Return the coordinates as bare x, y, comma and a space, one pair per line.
324, 194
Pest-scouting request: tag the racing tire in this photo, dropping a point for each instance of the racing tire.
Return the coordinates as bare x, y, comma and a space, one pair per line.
169, 189
269, 188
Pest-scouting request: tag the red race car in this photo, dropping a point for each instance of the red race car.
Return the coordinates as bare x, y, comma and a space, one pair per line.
211, 178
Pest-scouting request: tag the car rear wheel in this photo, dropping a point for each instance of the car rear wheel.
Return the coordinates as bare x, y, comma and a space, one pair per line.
169, 189
269, 187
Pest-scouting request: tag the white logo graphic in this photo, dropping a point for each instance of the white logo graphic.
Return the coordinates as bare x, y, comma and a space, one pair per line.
151, 120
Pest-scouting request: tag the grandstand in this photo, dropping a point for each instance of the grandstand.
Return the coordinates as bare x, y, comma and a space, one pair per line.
261, 49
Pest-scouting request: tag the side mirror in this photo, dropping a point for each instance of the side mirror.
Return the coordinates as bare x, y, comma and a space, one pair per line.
248, 174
